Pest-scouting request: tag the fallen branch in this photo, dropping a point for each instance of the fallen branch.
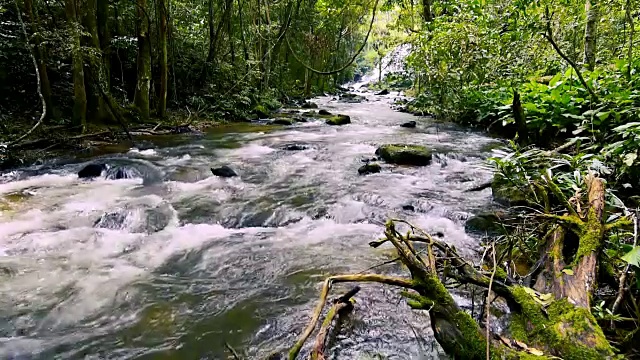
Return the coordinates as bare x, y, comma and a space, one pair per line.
340, 306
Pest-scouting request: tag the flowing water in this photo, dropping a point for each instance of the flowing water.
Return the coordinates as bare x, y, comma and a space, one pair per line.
173, 266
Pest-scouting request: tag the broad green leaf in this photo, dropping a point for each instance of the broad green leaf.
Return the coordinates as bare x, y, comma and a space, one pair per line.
603, 115
633, 256
568, 272
630, 158
626, 126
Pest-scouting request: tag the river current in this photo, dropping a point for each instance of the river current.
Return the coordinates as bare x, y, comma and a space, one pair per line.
174, 268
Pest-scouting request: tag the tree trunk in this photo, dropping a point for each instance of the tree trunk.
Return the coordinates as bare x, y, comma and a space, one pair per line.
104, 35
141, 98
79, 92
590, 33
518, 117
629, 16
242, 37
212, 33
162, 45
39, 54
95, 102
426, 10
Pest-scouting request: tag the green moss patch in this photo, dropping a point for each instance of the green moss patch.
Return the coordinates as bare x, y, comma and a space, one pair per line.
405, 154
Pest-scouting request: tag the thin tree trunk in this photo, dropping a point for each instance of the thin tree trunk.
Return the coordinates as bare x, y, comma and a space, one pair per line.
629, 17
90, 21
77, 68
104, 35
141, 98
212, 33
162, 45
242, 37
38, 53
590, 34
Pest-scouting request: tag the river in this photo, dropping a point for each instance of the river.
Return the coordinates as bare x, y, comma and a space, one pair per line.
177, 267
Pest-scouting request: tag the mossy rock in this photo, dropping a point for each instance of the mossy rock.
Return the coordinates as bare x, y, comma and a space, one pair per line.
339, 120
402, 154
283, 121
261, 112
369, 169
508, 194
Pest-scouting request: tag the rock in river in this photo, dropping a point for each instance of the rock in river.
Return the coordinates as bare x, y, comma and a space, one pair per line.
91, 171
369, 169
285, 122
323, 112
383, 92
339, 120
309, 105
295, 147
402, 154
223, 171
410, 124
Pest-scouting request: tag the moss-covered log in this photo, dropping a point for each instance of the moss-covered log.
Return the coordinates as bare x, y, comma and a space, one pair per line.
553, 321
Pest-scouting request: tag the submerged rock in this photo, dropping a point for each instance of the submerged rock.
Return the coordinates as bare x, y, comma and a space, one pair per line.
122, 172
285, 122
323, 112
224, 171
408, 208
339, 120
351, 98
309, 105
138, 217
92, 170
383, 92
402, 154
295, 147
487, 222
369, 169
410, 124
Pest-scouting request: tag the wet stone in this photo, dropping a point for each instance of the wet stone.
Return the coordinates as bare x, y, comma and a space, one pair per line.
224, 171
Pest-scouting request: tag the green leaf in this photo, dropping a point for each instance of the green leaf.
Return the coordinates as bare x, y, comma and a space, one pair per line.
633, 256
626, 126
568, 272
603, 115
630, 158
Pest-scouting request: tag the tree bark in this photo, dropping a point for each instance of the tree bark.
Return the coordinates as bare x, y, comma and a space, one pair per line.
426, 11
141, 97
518, 116
77, 68
162, 46
95, 102
39, 54
212, 33
590, 33
104, 34
629, 16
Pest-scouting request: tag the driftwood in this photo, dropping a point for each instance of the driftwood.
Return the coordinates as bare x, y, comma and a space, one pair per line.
552, 321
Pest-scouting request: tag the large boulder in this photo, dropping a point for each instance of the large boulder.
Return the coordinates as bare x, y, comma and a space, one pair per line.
224, 171
339, 120
369, 169
92, 171
402, 154
323, 112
